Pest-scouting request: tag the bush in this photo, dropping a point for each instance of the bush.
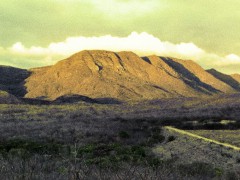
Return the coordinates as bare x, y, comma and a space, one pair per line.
232, 176
198, 168
16, 146
171, 138
123, 134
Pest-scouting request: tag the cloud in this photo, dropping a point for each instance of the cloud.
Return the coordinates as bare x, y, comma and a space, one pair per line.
232, 59
140, 43
19, 48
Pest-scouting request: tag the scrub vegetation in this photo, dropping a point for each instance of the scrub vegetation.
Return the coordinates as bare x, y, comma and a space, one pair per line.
117, 141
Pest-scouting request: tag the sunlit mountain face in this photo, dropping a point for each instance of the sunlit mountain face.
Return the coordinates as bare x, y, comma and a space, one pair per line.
123, 76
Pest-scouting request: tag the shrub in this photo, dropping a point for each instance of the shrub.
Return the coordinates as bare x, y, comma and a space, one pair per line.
171, 138
123, 134
197, 168
17, 145
232, 176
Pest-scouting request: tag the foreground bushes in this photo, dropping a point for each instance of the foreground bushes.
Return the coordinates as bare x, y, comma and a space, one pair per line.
21, 159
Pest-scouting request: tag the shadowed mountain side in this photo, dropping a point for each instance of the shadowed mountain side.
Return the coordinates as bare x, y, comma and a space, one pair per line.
189, 78
108, 101
34, 101
197, 77
12, 80
122, 76
73, 98
146, 59
225, 78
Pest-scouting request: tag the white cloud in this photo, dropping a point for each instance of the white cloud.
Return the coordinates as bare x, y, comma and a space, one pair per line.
233, 58
229, 60
19, 48
140, 43
188, 49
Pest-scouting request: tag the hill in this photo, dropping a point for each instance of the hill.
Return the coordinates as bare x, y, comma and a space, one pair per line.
6, 98
236, 77
71, 98
112, 77
228, 79
12, 80
123, 76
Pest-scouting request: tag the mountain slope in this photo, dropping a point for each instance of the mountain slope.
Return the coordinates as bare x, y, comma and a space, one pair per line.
12, 80
124, 76
236, 77
110, 76
225, 78
96, 74
197, 77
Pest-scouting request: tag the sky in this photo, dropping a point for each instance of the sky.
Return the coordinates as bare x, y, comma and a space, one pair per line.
42, 32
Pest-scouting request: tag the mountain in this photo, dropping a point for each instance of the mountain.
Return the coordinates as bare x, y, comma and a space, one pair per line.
12, 80
196, 77
97, 74
110, 77
123, 76
228, 79
236, 77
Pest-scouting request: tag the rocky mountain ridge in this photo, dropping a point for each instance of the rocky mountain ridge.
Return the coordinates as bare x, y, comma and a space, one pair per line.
119, 75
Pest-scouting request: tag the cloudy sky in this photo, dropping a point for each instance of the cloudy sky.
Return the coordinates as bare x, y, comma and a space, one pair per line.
41, 32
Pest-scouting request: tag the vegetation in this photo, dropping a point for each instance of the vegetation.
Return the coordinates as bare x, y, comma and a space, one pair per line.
114, 141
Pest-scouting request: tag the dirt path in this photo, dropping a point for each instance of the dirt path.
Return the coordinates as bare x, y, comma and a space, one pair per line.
202, 138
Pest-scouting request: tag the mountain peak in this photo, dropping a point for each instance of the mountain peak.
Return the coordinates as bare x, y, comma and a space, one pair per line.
212, 70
